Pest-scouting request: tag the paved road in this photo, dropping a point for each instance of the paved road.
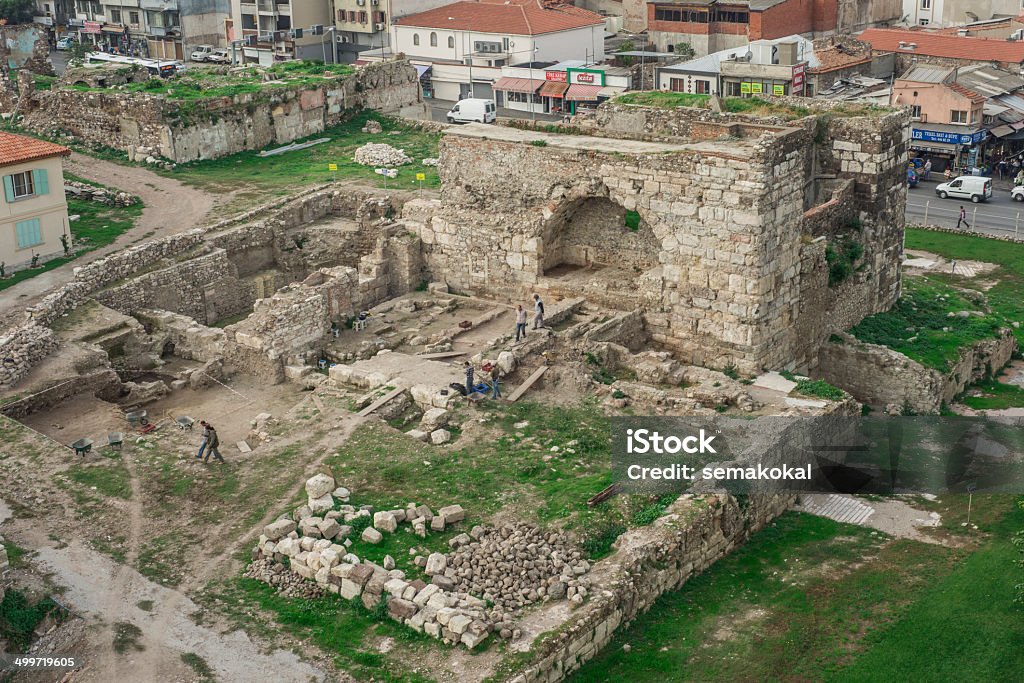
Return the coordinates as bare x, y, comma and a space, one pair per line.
438, 109
997, 216
59, 60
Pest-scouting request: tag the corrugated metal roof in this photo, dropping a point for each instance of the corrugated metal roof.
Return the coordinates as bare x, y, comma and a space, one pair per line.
988, 80
925, 73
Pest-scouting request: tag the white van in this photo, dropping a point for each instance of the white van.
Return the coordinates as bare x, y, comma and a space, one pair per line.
975, 188
473, 109
201, 53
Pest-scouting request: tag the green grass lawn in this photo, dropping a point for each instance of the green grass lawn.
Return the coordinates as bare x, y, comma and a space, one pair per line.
808, 599
995, 395
1006, 297
97, 226
262, 178
920, 325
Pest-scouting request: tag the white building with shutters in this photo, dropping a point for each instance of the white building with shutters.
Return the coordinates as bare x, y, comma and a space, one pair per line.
33, 213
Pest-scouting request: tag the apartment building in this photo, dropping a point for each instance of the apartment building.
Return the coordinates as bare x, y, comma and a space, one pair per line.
166, 29
940, 13
279, 30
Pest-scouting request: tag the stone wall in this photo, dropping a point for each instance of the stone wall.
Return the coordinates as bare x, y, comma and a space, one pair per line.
101, 381
720, 264
142, 125
880, 376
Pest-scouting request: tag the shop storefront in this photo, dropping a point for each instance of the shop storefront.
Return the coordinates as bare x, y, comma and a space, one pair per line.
947, 146
519, 93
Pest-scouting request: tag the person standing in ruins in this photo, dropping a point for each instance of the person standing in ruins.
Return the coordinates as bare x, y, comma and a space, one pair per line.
520, 322
469, 377
538, 312
495, 390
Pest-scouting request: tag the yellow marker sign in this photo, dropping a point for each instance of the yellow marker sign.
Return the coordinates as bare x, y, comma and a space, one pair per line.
778, 90
332, 167
421, 176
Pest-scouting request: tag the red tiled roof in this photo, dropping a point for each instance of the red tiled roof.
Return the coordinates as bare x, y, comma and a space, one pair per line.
953, 47
515, 17
17, 149
966, 92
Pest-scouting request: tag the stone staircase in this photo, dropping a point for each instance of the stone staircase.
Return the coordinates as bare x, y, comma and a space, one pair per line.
839, 507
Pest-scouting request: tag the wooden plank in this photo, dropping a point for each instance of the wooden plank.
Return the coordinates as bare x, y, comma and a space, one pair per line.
442, 354
380, 401
527, 384
604, 495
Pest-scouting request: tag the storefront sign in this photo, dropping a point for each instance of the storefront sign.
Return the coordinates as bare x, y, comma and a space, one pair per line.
950, 138
778, 90
747, 88
586, 76
559, 76
797, 87
92, 27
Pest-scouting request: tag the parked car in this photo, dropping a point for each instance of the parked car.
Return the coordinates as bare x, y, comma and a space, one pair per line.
975, 188
219, 56
1017, 193
66, 43
201, 53
473, 109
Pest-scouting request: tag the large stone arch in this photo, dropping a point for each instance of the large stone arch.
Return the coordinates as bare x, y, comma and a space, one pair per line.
588, 228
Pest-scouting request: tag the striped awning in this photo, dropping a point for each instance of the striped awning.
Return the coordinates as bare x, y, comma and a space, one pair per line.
553, 89
525, 85
583, 93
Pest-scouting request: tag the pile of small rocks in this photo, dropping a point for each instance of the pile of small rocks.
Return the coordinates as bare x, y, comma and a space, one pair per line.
287, 583
100, 195
373, 127
380, 154
516, 565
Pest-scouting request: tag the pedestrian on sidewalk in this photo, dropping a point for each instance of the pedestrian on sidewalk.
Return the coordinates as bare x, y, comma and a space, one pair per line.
212, 444
963, 218
468, 367
927, 168
538, 312
520, 322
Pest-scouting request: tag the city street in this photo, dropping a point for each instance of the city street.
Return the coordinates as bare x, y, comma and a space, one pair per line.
1000, 215
438, 109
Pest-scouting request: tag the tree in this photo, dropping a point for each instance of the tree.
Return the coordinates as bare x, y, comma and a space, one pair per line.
627, 46
684, 50
17, 11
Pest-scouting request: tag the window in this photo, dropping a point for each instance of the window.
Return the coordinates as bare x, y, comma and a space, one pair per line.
729, 17
523, 97
924, 22
732, 89
451, 42
133, 17
701, 87
115, 16
926, 4
249, 21
958, 116
677, 85
29, 233
352, 17
19, 186
433, 39
362, 17
915, 111
669, 13
415, 39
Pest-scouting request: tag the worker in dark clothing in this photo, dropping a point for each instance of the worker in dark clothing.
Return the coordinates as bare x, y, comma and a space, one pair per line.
469, 377
212, 443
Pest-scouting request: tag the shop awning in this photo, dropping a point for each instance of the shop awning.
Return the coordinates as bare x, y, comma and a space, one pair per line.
1001, 131
583, 93
524, 85
420, 70
610, 91
553, 89
113, 28
943, 147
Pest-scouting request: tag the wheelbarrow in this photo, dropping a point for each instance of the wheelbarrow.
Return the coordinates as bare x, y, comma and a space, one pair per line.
184, 423
137, 418
82, 446
115, 440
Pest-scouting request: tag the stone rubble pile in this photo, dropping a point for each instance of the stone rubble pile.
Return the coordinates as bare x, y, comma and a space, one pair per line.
100, 195
517, 565
507, 568
373, 127
380, 154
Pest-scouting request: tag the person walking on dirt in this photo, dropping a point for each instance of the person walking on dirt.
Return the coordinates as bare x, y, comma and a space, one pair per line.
538, 312
468, 367
206, 439
520, 322
963, 218
212, 444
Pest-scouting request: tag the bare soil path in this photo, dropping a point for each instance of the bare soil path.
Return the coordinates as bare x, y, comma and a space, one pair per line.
170, 207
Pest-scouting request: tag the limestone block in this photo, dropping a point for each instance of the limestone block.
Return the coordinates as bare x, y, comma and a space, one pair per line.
436, 564
371, 535
452, 513
385, 521
278, 529
322, 504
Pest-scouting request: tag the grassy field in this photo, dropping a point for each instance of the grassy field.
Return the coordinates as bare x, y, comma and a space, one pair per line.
97, 226
994, 395
808, 599
263, 178
738, 105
